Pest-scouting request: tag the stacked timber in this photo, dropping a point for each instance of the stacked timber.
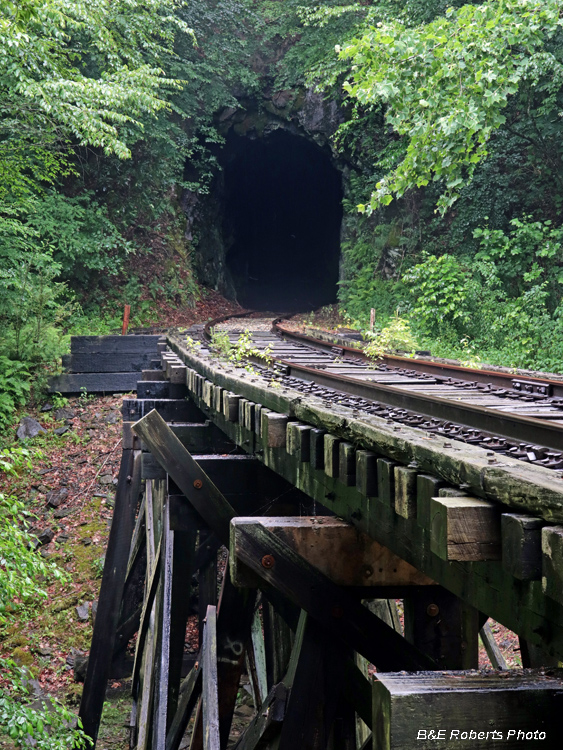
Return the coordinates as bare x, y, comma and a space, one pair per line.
106, 364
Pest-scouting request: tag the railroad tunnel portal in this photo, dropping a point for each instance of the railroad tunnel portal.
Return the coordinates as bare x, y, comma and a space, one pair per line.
282, 221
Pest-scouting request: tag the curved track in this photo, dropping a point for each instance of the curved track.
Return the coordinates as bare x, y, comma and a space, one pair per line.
518, 416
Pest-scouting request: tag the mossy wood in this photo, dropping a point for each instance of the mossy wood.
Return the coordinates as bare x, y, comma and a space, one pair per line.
462, 469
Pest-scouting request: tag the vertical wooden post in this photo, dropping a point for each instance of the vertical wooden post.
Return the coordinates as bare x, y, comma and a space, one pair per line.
126, 313
111, 592
442, 626
207, 582
278, 641
210, 693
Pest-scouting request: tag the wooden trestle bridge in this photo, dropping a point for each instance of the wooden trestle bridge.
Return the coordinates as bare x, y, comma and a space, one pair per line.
329, 516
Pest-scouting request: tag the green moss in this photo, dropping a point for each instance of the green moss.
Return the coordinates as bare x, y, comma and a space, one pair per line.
63, 604
21, 657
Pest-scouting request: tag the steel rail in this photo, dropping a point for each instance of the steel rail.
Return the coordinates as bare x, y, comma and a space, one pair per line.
503, 424
526, 430
500, 379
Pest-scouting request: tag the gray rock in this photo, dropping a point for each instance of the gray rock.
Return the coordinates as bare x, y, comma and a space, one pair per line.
83, 612
47, 407
56, 497
106, 479
112, 418
29, 428
87, 541
61, 430
80, 667
63, 513
44, 536
64, 413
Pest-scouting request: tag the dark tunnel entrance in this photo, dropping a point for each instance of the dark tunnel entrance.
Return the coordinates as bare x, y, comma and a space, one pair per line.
283, 212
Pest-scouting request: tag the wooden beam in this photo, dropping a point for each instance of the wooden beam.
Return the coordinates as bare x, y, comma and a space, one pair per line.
236, 607
521, 546
94, 382
467, 711
405, 491
267, 722
170, 409
210, 691
275, 561
186, 473
111, 592
115, 344
337, 549
190, 691
465, 528
552, 562
491, 647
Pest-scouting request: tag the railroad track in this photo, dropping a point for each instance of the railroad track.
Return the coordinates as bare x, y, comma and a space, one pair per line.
518, 416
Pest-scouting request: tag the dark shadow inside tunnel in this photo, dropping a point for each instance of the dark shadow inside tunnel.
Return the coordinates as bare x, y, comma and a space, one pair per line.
283, 211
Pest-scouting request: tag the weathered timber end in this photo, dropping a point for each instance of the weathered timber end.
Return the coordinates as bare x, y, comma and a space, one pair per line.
106, 364
387, 480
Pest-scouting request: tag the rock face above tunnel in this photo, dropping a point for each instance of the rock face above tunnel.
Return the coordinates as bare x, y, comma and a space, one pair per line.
304, 115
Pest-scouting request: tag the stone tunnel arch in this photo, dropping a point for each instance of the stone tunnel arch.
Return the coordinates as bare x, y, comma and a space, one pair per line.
281, 222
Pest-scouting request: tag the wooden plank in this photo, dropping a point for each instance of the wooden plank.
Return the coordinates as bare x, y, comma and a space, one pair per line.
278, 642
331, 456
491, 647
182, 570
115, 344
521, 546
210, 691
186, 473
171, 410
347, 464
552, 562
236, 608
332, 605
317, 456
267, 722
160, 389
405, 491
207, 589
102, 362
163, 615
259, 650
190, 691
274, 428
153, 375
95, 382
386, 481
299, 441
427, 487
465, 528
470, 711
366, 473
111, 592
334, 547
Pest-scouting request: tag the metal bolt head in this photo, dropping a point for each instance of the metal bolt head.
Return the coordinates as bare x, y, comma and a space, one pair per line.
198, 484
367, 571
432, 610
268, 562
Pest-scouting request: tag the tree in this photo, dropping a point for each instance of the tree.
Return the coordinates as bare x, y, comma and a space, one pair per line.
446, 83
